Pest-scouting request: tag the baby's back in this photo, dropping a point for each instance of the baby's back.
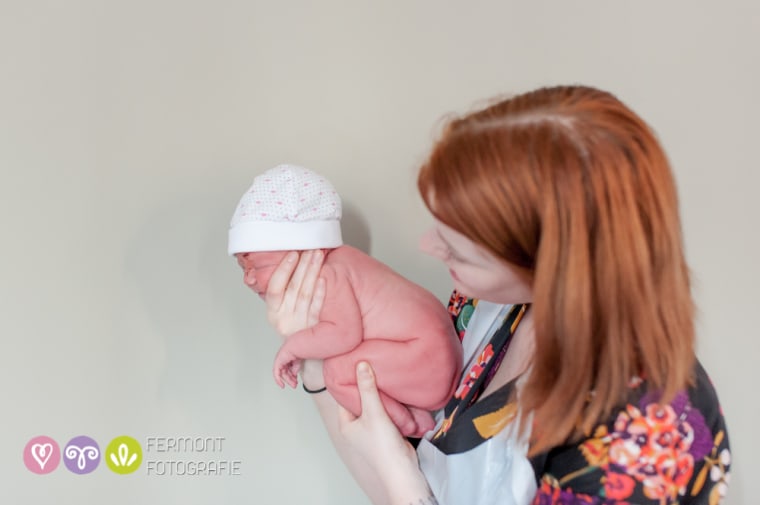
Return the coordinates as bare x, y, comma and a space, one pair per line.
392, 307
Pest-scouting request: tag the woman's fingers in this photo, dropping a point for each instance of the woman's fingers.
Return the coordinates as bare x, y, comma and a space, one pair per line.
316, 302
278, 283
295, 294
293, 290
307, 289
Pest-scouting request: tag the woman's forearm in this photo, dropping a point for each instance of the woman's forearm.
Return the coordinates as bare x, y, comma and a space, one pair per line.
311, 375
407, 486
399, 481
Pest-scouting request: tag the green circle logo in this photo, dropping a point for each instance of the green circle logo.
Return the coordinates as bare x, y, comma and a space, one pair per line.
123, 455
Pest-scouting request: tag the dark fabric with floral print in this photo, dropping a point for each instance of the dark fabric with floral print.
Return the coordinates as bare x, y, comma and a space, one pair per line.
464, 419
644, 453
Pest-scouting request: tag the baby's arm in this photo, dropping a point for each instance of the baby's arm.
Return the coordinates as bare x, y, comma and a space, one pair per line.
339, 330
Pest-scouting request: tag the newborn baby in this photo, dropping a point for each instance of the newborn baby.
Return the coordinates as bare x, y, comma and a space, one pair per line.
370, 313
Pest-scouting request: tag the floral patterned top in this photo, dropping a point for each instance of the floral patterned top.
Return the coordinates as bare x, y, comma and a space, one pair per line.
644, 453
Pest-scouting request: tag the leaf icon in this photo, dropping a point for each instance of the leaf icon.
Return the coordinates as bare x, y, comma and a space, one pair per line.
124, 455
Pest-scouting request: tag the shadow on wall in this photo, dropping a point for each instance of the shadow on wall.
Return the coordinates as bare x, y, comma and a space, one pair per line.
355, 228
185, 281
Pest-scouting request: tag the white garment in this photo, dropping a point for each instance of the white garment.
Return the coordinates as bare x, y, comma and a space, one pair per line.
497, 471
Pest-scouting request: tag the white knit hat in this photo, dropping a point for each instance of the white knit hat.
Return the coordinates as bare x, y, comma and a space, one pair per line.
287, 208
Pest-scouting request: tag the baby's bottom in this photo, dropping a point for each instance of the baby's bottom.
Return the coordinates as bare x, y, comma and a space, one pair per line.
411, 383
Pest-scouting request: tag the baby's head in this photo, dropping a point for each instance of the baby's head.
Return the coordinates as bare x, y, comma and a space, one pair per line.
287, 208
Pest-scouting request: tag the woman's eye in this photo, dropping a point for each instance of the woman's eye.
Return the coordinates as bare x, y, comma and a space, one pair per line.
453, 256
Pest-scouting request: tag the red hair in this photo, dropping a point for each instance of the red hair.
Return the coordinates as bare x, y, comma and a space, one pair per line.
571, 185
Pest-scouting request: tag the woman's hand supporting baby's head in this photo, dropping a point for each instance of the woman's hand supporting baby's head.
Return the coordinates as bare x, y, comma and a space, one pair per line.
295, 292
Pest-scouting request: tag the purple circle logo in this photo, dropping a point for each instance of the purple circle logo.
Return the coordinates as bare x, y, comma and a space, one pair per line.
42, 455
81, 455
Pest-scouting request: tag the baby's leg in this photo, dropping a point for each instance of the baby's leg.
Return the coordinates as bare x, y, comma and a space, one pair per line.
424, 420
411, 371
343, 388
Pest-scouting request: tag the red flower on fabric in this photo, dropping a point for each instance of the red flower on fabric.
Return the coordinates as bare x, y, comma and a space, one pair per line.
618, 486
469, 380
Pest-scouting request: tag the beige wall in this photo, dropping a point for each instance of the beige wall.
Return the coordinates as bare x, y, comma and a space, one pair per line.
128, 131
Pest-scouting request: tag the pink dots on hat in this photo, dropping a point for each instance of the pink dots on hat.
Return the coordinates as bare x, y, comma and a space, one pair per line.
287, 194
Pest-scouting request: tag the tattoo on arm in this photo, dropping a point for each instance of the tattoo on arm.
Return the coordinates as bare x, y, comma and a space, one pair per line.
430, 500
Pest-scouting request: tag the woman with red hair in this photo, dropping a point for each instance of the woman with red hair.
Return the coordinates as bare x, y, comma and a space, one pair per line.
557, 215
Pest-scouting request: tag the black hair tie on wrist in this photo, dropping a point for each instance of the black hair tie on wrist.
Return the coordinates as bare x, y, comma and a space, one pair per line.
313, 391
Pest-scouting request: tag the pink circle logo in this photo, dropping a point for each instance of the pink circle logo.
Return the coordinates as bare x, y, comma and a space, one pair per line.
42, 455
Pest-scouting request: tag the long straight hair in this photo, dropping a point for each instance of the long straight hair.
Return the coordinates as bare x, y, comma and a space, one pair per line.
571, 185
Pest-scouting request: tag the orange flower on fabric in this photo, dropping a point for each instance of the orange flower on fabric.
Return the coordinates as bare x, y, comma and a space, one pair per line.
653, 445
596, 449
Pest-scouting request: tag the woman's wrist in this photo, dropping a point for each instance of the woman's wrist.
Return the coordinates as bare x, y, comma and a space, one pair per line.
408, 486
399, 470
311, 375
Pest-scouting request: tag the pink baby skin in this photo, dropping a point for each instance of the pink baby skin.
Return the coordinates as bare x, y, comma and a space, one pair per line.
371, 313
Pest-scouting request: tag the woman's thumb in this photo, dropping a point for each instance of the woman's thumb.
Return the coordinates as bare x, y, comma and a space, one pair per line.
365, 381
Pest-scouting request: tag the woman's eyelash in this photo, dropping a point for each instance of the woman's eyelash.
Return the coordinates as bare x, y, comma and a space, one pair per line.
452, 255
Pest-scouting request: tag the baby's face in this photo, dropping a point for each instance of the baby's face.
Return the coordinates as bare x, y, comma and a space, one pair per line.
258, 267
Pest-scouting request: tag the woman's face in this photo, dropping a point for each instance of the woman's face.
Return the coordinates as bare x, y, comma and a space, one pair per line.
476, 272
258, 268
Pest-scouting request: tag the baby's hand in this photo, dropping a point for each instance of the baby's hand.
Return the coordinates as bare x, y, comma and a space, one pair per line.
292, 371
285, 369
